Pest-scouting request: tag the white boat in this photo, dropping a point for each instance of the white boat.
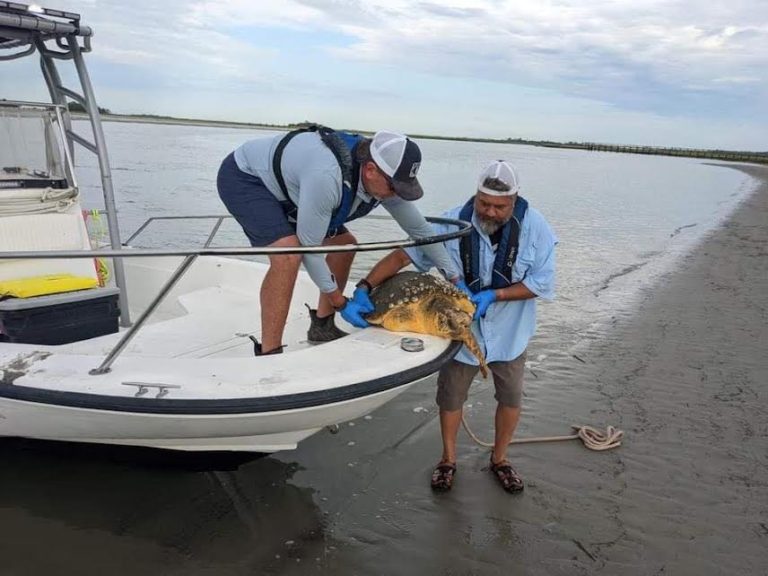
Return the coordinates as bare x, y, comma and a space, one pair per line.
178, 372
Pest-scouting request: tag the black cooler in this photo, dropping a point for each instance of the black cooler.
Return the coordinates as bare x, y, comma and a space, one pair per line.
60, 318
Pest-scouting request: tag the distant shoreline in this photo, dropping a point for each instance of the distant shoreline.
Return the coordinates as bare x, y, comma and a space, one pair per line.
723, 155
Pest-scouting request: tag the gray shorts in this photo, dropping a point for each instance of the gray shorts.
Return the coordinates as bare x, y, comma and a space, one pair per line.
455, 378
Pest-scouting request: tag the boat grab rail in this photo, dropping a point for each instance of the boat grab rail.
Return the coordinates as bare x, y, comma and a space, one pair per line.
190, 255
464, 228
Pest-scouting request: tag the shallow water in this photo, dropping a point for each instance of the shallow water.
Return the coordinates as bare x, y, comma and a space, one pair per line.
357, 502
617, 215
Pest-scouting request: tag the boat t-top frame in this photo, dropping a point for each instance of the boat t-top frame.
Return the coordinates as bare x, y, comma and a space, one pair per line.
57, 35
25, 29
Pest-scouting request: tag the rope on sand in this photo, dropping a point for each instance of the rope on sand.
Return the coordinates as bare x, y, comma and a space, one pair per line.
592, 438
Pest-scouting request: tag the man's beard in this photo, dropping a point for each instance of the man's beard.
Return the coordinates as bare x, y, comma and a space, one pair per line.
489, 226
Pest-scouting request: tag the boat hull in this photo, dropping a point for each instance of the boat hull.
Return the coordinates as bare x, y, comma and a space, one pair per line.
188, 380
249, 432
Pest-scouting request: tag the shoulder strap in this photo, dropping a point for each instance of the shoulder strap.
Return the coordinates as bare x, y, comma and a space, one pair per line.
506, 253
469, 248
342, 145
343, 153
277, 159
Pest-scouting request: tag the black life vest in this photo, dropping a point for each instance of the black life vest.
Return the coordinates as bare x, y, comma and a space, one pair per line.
342, 144
506, 253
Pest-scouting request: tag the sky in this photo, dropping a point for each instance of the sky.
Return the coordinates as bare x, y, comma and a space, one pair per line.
688, 73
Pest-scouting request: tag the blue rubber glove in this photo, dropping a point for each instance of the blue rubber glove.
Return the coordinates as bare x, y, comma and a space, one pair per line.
353, 313
482, 300
361, 298
461, 285
359, 305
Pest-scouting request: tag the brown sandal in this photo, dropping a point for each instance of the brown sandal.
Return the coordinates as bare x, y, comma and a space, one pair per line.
509, 479
442, 476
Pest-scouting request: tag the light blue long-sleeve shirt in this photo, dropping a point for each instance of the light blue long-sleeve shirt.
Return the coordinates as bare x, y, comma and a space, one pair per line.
504, 332
314, 183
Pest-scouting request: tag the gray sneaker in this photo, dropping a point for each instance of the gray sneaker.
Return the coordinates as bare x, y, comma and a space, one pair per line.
322, 329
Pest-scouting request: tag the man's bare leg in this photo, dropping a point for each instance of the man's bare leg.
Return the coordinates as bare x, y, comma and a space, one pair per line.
506, 423
339, 263
450, 420
276, 294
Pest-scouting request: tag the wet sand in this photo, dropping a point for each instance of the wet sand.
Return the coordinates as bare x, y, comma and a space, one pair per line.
685, 375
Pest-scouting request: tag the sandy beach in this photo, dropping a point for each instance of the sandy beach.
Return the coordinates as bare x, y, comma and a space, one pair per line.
685, 375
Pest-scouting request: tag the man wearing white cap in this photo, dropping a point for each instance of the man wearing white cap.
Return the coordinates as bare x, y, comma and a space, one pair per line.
299, 189
507, 262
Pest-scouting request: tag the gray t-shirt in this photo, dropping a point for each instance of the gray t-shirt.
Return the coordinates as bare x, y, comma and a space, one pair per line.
313, 179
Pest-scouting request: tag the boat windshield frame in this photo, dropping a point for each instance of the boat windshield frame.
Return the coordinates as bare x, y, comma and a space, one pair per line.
58, 126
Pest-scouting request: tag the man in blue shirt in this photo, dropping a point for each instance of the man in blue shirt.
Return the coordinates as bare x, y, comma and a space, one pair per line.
508, 261
298, 189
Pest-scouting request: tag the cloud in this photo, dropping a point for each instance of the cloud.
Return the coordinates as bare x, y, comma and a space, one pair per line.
627, 53
170, 36
589, 49
467, 59
211, 13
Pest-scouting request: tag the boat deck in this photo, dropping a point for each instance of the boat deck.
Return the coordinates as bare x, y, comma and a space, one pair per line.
198, 347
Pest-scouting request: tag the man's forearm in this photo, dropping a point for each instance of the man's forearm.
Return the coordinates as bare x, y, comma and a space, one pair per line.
517, 291
387, 267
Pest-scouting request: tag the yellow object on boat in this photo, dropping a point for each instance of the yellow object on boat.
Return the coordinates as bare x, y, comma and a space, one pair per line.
41, 285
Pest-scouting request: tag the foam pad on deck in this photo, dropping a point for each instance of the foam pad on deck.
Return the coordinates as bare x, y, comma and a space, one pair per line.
64, 231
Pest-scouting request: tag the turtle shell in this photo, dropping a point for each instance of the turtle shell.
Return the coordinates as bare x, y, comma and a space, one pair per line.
426, 304
406, 288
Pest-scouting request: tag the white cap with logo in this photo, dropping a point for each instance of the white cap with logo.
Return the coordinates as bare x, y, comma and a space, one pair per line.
399, 158
506, 181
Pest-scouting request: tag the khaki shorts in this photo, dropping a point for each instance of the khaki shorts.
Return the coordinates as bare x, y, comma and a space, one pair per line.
455, 378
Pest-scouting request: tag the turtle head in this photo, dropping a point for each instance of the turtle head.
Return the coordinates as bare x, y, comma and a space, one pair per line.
453, 323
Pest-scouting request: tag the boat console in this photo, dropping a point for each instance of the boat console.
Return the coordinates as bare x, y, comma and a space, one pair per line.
45, 301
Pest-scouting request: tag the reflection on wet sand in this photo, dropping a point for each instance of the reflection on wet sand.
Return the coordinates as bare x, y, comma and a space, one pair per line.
99, 510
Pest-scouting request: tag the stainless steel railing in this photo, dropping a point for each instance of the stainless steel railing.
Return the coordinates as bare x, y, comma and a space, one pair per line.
191, 254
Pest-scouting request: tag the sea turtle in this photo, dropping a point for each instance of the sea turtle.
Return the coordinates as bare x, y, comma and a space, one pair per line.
426, 304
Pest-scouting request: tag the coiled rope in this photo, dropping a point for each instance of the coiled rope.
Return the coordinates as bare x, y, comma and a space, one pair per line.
37, 201
592, 438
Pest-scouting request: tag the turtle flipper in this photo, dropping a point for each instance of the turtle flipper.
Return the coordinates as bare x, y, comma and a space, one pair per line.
471, 344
